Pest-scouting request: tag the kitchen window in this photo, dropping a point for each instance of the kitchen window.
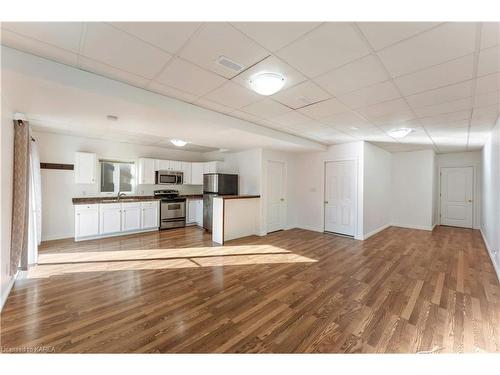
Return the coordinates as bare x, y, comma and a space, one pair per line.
117, 176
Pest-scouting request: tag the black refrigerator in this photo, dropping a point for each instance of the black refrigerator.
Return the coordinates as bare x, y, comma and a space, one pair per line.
215, 184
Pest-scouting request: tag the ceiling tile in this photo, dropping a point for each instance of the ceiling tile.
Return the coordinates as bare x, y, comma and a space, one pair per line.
111, 72
348, 121
217, 39
106, 44
353, 76
433, 47
441, 95
188, 77
385, 108
275, 35
37, 48
395, 118
233, 95
323, 109
169, 36
171, 92
65, 35
291, 118
245, 116
438, 109
485, 116
367, 96
446, 119
489, 61
274, 65
383, 34
205, 103
488, 99
488, 83
266, 108
301, 95
418, 137
490, 34
329, 46
437, 76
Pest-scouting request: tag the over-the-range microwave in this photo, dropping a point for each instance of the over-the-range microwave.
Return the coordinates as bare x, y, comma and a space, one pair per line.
169, 178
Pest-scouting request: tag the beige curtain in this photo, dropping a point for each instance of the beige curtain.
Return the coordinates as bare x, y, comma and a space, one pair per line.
20, 207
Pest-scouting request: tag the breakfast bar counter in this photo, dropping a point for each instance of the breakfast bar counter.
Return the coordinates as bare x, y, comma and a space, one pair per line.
235, 216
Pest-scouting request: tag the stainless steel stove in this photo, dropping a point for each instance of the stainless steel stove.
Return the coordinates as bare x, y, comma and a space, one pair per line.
172, 209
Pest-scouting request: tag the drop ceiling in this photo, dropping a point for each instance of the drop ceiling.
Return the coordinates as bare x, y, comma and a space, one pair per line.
345, 81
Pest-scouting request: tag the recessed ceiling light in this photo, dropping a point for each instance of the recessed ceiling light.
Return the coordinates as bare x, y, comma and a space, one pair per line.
178, 142
112, 117
400, 133
267, 83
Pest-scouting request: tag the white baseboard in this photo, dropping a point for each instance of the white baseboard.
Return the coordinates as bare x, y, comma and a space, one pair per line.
490, 253
314, 229
410, 226
6, 292
373, 232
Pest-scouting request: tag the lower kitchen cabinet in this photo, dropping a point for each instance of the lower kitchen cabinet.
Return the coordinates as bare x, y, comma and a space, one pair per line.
86, 220
110, 218
195, 212
150, 215
131, 216
114, 219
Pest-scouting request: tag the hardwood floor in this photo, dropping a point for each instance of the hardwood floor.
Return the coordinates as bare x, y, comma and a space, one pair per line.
402, 290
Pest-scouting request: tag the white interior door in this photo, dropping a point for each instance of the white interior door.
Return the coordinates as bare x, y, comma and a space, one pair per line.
456, 196
276, 205
340, 196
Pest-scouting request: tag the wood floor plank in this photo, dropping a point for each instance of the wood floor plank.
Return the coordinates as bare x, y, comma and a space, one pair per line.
400, 291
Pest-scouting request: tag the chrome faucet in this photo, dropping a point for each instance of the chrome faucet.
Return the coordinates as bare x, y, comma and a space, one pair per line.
120, 194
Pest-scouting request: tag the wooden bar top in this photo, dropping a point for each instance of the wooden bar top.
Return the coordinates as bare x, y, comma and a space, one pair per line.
238, 196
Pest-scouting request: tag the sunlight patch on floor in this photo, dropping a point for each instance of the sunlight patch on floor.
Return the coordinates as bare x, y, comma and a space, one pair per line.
140, 254
157, 259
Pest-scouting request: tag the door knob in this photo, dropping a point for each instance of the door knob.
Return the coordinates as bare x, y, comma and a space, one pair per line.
282, 199
326, 202
470, 200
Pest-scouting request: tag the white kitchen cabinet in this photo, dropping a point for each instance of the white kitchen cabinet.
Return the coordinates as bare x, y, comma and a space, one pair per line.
86, 220
186, 172
199, 212
149, 215
191, 211
194, 212
85, 168
197, 173
175, 166
146, 171
162, 165
211, 167
110, 215
131, 216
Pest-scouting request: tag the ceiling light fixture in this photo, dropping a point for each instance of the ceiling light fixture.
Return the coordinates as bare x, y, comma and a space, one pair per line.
267, 83
400, 133
178, 142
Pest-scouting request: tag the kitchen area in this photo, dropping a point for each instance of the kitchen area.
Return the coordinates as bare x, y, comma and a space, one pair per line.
122, 208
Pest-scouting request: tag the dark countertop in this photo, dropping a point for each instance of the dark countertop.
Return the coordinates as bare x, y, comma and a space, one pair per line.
192, 196
127, 199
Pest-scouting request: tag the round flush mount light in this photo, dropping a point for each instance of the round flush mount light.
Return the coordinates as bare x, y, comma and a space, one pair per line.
178, 142
400, 133
267, 83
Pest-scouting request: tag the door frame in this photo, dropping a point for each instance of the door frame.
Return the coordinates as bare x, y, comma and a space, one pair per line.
356, 198
285, 191
473, 192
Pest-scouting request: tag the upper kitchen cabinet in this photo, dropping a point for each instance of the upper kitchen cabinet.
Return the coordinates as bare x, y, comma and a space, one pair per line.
85, 168
168, 165
197, 173
186, 168
147, 171
211, 167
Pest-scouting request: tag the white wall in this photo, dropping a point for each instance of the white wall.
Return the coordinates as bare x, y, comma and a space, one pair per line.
377, 186
58, 187
310, 183
464, 159
413, 189
6, 175
490, 218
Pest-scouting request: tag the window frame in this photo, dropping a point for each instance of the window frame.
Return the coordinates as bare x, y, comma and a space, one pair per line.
117, 162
